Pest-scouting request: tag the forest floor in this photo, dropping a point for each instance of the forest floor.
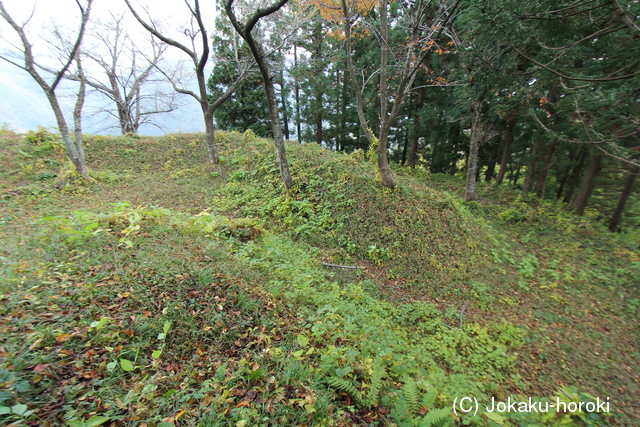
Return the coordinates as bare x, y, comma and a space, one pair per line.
167, 292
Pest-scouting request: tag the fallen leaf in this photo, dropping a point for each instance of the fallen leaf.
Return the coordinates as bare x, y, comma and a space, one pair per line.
206, 400
40, 367
63, 337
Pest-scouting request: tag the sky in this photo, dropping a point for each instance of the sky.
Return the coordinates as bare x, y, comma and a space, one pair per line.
21, 98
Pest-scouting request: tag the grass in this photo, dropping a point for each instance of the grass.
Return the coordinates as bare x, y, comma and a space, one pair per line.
166, 292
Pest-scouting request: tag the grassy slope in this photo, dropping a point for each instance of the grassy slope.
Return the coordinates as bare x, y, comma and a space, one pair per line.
256, 325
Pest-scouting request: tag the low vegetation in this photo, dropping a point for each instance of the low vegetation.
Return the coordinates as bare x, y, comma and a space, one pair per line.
165, 293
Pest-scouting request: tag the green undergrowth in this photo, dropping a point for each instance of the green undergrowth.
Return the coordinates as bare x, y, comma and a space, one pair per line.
167, 292
135, 337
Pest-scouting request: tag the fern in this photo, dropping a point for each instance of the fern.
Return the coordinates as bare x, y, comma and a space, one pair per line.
379, 372
435, 417
346, 386
429, 399
410, 393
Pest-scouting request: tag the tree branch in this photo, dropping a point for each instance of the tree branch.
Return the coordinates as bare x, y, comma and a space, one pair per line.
162, 37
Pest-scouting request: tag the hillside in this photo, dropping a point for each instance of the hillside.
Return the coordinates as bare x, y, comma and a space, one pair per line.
170, 293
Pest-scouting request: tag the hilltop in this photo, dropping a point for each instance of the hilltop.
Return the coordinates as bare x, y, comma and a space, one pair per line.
167, 292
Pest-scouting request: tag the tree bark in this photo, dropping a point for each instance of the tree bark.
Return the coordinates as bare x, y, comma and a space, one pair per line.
388, 180
210, 136
81, 167
587, 184
474, 147
624, 196
260, 58
506, 153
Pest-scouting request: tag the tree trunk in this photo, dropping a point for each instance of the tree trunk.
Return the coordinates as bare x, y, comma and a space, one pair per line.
343, 112
297, 90
317, 54
415, 135
404, 146
77, 156
474, 147
388, 180
542, 176
506, 152
319, 136
624, 196
491, 167
283, 99
575, 175
135, 125
435, 149
413, 151
562, 183
261, 59
588, 181
533, 166
516, 174
77, 125
281, 156
210, 135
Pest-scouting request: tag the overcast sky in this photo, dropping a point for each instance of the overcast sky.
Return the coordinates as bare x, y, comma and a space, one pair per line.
172, 15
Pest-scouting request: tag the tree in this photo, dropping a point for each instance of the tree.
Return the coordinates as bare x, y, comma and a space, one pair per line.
74, 147
128, 76
624, 197
479, 135
246, 108
586, 51
415, 29
199, 61
260, 57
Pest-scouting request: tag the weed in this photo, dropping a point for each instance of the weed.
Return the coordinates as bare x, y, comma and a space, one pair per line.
203, 301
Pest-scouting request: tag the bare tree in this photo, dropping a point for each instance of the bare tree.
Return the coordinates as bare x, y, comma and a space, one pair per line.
423, 22
27, 62
261, 59
199, 61
128, 78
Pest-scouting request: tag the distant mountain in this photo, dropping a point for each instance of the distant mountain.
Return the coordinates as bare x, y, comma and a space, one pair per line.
23, 107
